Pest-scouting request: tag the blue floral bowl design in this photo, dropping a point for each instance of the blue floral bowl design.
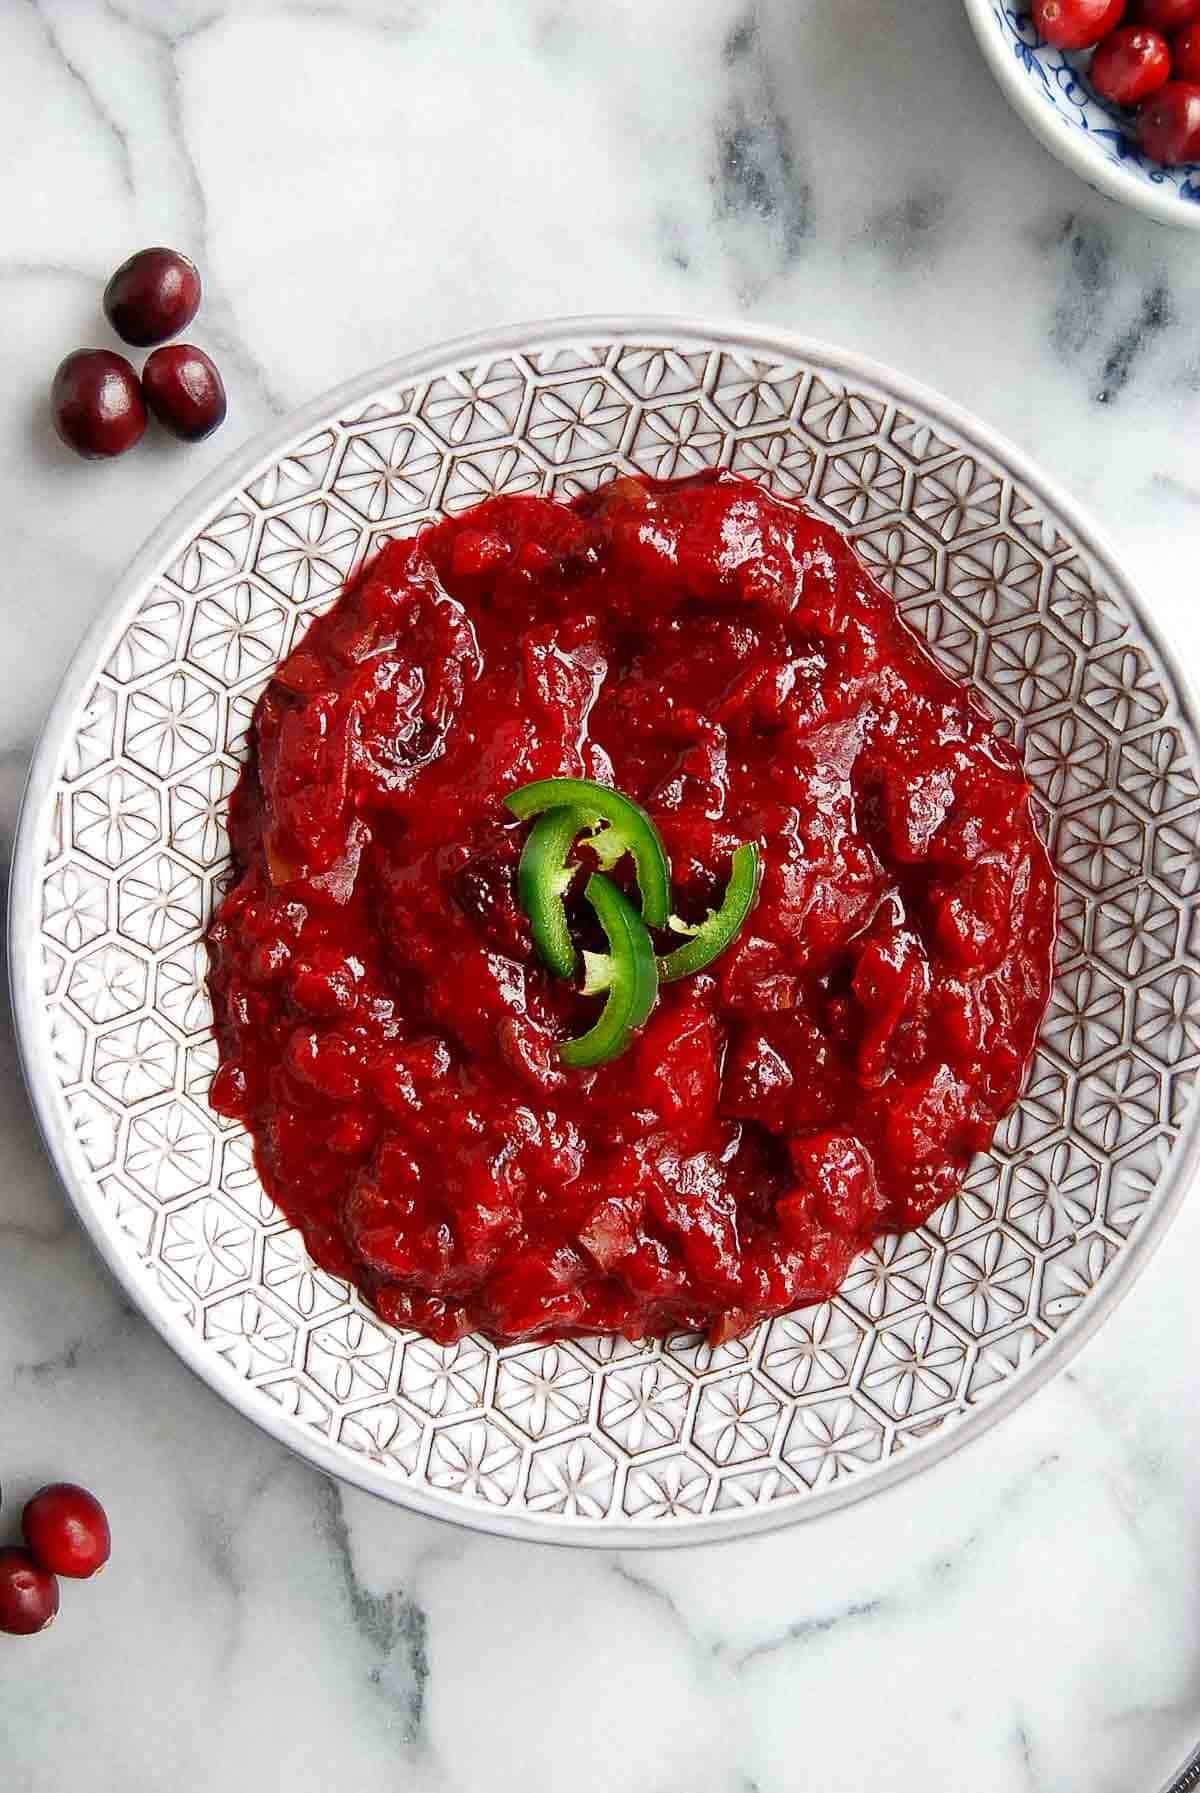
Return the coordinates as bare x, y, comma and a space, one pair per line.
1050, 91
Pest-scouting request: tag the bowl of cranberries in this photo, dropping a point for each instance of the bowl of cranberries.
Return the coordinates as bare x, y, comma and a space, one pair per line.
1112, 87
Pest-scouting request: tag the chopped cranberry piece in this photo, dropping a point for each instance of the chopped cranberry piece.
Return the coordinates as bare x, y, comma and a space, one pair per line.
835, 1172
325, 1061
325, 983
971, 918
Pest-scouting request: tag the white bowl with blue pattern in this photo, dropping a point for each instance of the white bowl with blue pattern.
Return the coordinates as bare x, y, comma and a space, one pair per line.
1049, 89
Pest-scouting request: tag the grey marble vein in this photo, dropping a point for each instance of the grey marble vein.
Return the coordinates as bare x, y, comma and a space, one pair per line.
1176, 487
16, 1232
111, 128
802, 1630
1084, 248
37, 270
86, 1348
1155, 314
652, 1591
1024, 1742
910, 232
393, 1626
759, 177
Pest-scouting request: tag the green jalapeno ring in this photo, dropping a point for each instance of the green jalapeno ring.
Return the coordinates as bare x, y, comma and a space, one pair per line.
721, 926
631, 978
543, 879
623, 825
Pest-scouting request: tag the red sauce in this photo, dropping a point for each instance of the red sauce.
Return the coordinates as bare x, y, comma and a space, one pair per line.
388, 1036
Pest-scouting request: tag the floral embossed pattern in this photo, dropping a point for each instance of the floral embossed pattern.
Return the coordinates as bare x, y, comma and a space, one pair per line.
123, 849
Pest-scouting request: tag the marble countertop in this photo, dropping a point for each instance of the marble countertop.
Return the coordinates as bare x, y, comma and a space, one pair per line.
357, 180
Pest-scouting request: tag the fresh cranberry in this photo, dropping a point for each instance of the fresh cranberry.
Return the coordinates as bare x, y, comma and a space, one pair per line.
1165, 15
97, 404
1076, 24
66, 1530
152, 296
1130, 65
1168, 123
1185, 54
28, 1594
184, 391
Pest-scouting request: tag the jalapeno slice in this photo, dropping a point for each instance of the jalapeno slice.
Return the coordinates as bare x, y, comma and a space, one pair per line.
619, 826
721, 927
543, 879
568, 811
630, 977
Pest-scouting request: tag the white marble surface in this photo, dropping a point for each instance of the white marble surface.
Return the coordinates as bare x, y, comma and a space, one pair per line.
357, 180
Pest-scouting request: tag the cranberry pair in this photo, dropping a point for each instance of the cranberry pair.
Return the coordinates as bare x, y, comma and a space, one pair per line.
98, 402
66, 1533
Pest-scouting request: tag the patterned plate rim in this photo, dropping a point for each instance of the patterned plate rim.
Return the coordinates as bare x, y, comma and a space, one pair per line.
34, 823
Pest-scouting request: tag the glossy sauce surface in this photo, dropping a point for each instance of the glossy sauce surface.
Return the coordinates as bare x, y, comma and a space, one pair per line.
389, 1037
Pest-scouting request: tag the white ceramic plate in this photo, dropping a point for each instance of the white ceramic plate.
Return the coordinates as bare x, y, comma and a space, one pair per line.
122, 845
